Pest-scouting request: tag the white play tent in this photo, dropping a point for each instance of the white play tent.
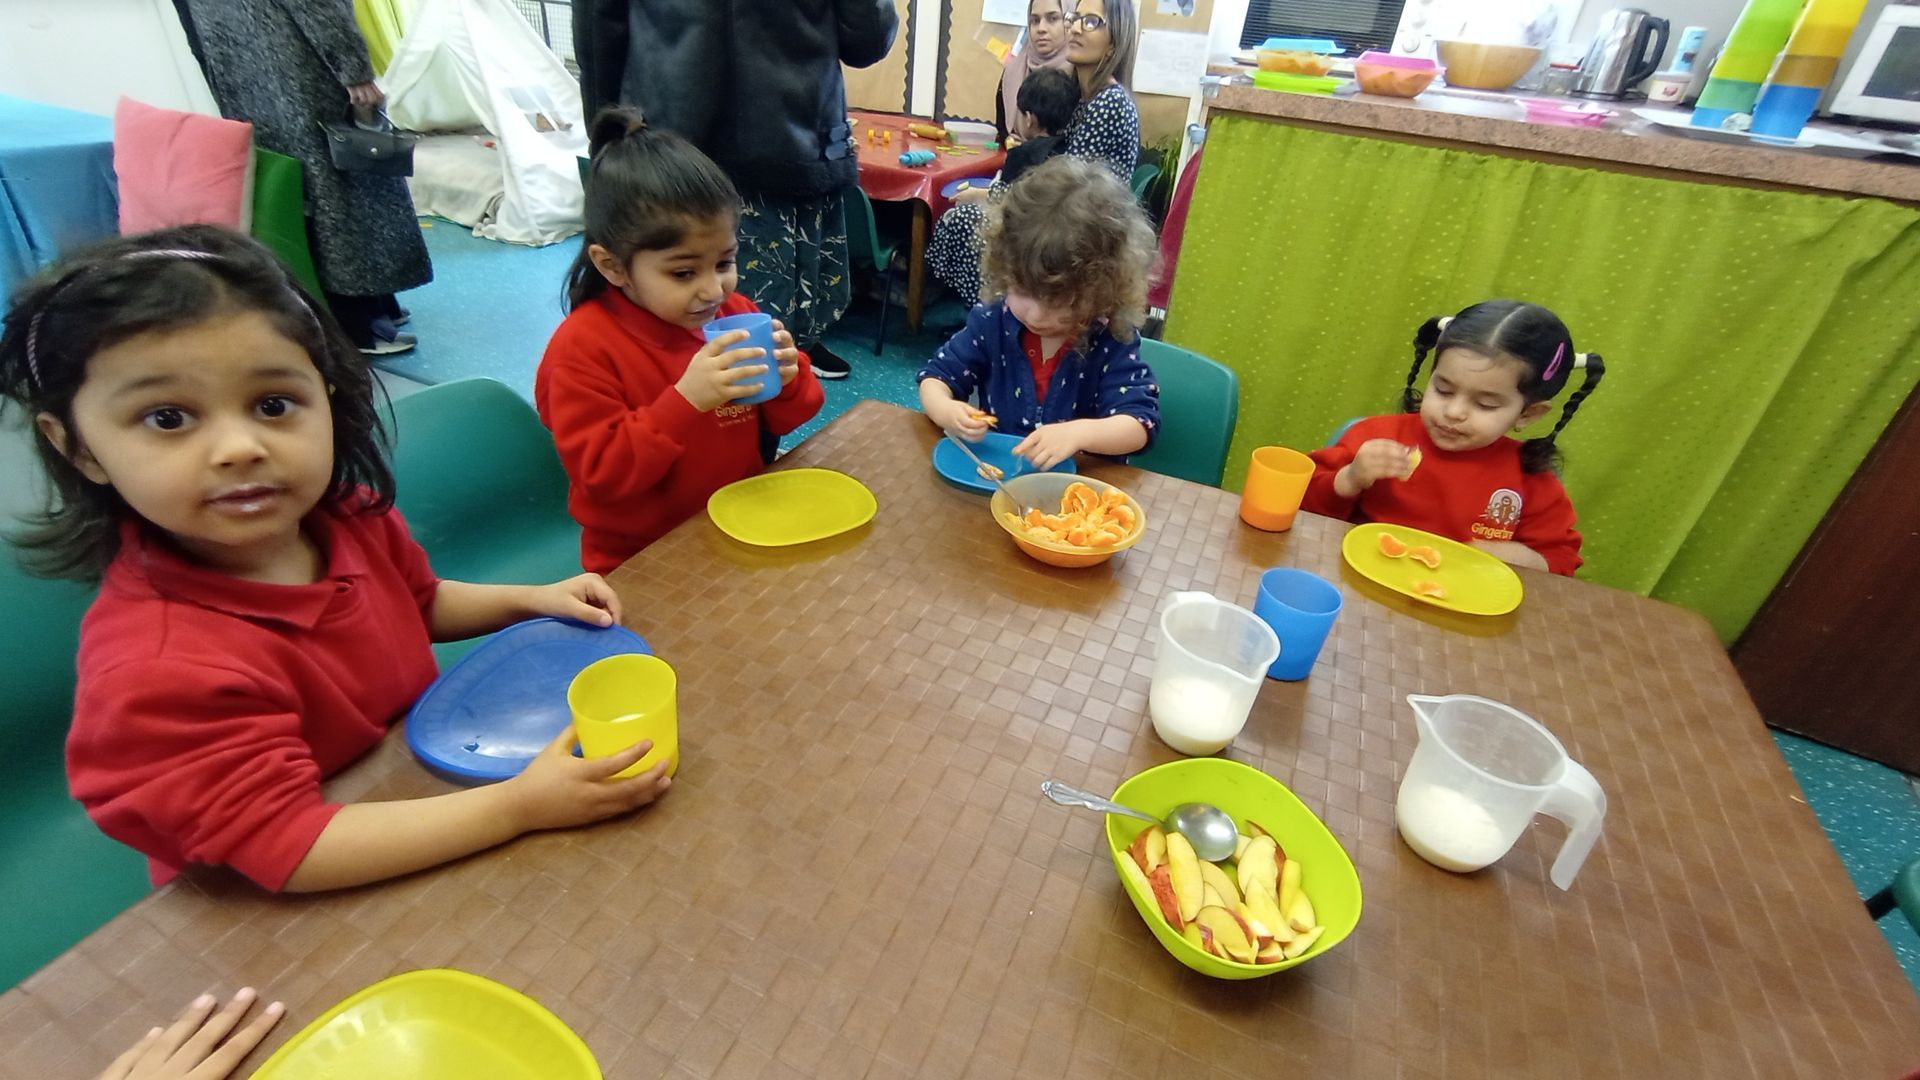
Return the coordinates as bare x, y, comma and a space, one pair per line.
477, 64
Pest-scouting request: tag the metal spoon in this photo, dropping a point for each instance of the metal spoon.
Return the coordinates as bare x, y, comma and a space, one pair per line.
1207, 828
987, 472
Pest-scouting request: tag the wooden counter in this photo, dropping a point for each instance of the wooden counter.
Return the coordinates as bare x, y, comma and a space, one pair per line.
1471, 119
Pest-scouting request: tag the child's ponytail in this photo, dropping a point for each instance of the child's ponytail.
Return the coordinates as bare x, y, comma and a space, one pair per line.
1541, 455
645, 186
1424, 341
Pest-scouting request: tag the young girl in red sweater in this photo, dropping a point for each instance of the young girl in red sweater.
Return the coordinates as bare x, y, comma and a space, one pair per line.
641, 406
214, 458
1446, 464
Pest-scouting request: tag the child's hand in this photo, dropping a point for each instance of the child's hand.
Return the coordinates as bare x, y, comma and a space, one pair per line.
785, 354
587, 598
1050, 444
711, 380
960, 418
1381, 459
971, 194
557, 790
191, 1048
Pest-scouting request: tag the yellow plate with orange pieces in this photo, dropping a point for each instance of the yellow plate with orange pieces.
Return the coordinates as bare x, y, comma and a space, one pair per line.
1469, 580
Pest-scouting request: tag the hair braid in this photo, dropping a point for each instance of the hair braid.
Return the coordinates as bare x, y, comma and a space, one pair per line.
1424, 341
1541, 455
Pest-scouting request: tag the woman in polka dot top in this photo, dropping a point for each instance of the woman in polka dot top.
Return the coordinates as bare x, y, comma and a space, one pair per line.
1054, 356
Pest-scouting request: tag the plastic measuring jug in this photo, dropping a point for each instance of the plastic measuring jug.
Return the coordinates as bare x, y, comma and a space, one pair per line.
1479, 774
1213, 659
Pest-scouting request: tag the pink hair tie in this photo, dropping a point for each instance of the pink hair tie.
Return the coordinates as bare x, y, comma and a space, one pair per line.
1553, 367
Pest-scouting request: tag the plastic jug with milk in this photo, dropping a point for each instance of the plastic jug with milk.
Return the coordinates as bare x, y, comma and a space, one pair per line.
1479, 774
1213, 659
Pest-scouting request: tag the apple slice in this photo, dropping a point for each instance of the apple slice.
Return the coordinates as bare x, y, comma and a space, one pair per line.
1135, 876
1240, 846
1304, 942
1183, 868
1161, 882
1300, 914
1255, 832
1218, 880
1256, 931
1259, 831
1229, 938
1289, 885
1210, 896
1271, 953
1194, 937
1259, 870
1149, 848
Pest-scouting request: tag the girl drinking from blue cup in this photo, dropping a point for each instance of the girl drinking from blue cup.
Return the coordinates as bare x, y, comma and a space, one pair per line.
651, 415
1446, 463
214, 458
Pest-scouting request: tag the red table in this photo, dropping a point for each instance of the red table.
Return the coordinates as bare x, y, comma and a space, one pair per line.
884, 179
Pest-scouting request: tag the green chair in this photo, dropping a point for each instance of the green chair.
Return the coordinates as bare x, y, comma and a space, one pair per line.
1903, 892
867, 252
1341, 431
482, 489
1143, 175
60, 877
1199, 405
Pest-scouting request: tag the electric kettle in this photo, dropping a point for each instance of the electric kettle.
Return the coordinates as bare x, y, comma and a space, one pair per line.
1626, 50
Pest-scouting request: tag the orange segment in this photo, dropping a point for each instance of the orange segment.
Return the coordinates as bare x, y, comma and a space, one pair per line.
1430, 588
1391, 547
1427, 555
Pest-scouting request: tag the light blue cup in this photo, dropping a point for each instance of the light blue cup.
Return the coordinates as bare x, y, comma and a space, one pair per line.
759, 328
1301, 608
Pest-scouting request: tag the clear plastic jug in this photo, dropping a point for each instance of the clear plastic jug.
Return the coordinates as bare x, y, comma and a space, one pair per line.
1213, 659
1479, 774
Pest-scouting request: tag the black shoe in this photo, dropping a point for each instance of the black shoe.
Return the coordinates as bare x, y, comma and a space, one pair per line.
826, 363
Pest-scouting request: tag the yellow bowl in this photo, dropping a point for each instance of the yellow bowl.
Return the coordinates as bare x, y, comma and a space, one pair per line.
1327, 874
1485, 67
1043, 490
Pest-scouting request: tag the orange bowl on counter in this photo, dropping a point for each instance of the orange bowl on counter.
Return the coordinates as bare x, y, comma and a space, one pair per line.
1295, 62
1480, 66
1390, 75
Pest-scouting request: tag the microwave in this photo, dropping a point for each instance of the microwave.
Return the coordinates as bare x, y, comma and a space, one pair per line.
1884, 81
1357, 25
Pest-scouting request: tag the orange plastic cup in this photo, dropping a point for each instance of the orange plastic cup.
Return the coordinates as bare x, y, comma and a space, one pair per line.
1276, 482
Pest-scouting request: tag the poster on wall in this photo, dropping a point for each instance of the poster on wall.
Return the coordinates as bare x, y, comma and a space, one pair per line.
1011, 12
1169, 62
1182, 8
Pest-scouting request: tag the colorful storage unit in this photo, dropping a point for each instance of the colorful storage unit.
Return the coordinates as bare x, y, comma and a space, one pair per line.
1734, 84
1802, 72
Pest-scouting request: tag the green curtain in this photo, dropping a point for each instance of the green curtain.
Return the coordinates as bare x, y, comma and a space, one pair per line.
280, 215
1757, 342
382, 24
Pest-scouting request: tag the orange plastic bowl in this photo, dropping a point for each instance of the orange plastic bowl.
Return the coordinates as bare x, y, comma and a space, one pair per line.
1044, 491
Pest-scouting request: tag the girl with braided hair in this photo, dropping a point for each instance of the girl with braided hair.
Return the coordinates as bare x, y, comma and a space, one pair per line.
1446, 462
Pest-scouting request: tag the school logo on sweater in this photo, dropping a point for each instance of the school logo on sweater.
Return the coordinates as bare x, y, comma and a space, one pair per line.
1501, 517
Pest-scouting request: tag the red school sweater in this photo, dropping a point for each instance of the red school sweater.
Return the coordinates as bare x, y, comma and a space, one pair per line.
209, 708
1473, 495
640, 458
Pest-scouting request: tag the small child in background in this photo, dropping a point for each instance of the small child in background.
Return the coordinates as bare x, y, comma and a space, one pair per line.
641, 406
1047, 100
1446, 464
1052, 350
215, 458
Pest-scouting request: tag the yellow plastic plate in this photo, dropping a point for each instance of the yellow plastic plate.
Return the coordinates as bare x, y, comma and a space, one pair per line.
435, 1024
1327, 875
791, 506
1476, 582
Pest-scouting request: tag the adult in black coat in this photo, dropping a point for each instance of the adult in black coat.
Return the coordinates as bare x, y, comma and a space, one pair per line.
756, 85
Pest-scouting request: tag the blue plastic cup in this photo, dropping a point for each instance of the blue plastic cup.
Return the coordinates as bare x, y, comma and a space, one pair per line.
759, 328
1301, 608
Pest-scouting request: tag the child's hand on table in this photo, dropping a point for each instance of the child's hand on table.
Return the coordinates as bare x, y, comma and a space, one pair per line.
785, 354
1513, 553
960, 418
711, 380
1376, 460
191, 1048
558, 790
1051, 444
586, 598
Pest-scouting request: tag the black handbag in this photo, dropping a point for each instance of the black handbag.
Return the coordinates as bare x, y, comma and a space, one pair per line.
379, 151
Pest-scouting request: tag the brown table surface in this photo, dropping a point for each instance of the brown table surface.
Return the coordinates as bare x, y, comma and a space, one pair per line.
857, 876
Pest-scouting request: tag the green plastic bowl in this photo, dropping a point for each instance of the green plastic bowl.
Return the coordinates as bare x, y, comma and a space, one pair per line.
1327, 874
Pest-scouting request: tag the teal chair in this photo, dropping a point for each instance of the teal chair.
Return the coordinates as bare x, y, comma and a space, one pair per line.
60, 877
1903, 892
869, 253
1199, 406
482, 488
1142, 176
1341, 431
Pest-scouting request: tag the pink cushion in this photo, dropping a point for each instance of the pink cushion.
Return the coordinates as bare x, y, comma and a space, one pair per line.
178, 168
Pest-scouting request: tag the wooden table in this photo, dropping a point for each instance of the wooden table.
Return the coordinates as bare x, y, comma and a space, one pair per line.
884, 179
856, 875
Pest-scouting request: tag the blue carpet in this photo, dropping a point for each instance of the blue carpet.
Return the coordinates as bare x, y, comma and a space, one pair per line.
1873, 819
492, 306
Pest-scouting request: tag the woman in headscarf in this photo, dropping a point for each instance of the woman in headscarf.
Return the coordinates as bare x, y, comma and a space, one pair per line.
1046, 47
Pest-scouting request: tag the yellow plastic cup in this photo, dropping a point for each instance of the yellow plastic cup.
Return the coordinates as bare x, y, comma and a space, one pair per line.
1276, 482
621, 700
